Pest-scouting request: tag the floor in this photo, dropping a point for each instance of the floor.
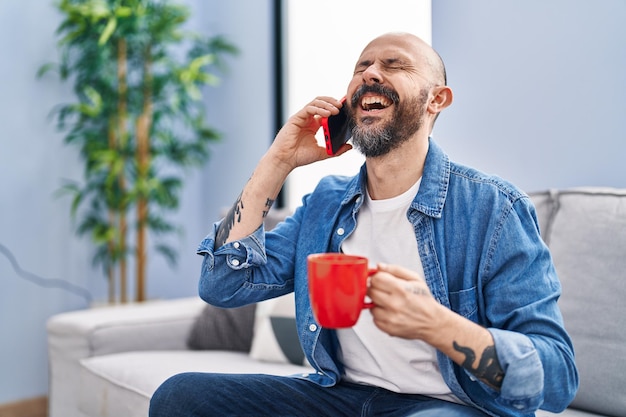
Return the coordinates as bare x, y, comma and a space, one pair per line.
35, 407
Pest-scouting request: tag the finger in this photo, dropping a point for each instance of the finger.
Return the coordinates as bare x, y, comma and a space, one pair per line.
393, 279
329, 100
384, 286
400, 272
323, 106
380, 298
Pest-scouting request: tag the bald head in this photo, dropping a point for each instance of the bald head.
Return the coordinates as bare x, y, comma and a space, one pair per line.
420, 50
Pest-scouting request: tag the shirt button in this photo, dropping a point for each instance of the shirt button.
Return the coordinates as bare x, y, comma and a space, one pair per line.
340, 231
236, 245
312, 327
234, 262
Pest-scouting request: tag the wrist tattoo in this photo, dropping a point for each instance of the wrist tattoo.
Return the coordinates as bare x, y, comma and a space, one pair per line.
234, 216
488, 370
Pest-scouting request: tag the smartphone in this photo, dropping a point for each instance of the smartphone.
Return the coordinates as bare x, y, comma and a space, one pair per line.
336, 130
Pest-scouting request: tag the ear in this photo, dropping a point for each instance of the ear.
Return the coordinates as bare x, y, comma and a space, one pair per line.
442, 98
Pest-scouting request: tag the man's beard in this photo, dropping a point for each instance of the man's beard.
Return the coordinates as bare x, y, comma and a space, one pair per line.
408, 117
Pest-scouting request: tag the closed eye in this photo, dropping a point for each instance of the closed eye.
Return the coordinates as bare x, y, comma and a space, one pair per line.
395, 64
362, 66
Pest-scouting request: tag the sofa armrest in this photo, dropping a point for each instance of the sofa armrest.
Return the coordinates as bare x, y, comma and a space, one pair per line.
72, 336
153, 325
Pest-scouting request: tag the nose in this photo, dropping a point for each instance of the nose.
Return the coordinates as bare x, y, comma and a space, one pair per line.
372, 75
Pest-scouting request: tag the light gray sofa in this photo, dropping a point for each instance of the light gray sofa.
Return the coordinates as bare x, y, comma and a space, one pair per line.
108, 361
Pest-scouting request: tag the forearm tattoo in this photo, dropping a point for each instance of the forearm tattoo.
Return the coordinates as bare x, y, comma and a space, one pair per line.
268, 205
488, 369
234, 216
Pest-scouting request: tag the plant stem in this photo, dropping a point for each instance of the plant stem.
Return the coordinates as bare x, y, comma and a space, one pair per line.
110, 268
122, 89
144, 123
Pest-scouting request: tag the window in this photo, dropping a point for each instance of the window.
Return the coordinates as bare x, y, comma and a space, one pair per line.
322, 40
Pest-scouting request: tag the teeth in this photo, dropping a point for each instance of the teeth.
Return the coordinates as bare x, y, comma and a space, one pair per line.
375, 102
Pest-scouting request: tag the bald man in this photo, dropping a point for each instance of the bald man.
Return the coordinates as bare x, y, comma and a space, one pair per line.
465, 320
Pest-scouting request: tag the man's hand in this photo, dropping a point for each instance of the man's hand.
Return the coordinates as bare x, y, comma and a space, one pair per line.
404, 307
295, 144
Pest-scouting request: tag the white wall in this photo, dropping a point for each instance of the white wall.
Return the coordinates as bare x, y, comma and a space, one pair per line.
36, 228
324, 39
540, 89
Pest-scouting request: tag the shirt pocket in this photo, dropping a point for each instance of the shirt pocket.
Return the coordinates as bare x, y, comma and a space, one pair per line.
465, 303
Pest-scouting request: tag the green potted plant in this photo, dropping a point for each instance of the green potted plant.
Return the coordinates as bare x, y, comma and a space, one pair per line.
139, 122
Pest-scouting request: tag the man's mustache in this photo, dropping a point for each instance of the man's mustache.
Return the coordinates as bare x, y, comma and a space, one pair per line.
377, 89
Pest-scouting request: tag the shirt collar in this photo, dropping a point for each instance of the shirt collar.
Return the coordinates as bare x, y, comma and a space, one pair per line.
433, 189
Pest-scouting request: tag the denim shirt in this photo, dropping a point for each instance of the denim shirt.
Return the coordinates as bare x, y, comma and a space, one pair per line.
479, 243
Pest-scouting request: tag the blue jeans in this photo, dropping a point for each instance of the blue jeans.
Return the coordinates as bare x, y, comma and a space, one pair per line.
203, 394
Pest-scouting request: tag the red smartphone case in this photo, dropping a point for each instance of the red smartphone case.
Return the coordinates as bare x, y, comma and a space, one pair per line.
331, 148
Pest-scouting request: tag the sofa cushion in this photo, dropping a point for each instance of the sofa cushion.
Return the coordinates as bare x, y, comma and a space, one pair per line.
545, 206
122, 384
275, 333
588, 242
229, 329
570, 412
223, 329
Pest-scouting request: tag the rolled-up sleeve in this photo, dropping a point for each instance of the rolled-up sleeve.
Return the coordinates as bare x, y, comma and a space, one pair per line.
251, 269
226, 271
523, 385
533, 348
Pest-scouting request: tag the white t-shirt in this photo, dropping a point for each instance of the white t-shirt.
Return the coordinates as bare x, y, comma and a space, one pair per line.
370, 356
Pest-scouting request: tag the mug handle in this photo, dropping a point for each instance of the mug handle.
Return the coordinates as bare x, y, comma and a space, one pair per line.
370, 272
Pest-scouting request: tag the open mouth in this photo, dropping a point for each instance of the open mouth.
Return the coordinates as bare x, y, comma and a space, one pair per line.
369, 103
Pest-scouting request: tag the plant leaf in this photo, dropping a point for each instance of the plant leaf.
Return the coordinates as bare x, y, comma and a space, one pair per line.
108, 31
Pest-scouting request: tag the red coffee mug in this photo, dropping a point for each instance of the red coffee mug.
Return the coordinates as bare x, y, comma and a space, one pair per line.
337, 288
